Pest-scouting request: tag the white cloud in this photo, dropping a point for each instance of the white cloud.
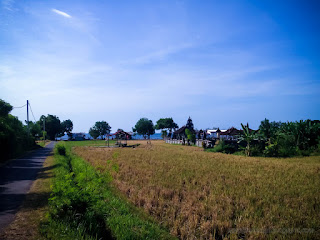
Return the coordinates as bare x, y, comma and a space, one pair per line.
158, 55
7, 4
61, 13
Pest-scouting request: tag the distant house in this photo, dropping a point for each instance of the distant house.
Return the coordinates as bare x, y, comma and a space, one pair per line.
215, 133
63, 138
229, 134
78, 136
180, 133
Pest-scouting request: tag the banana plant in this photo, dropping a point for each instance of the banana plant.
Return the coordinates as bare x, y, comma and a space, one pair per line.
248, 137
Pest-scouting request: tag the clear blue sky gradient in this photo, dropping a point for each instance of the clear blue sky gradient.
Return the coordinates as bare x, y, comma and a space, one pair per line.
221, 62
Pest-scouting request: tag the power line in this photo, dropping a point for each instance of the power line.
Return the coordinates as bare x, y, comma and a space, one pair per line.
21, 106
32, 113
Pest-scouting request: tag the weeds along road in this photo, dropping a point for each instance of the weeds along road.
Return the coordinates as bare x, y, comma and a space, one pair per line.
16, 178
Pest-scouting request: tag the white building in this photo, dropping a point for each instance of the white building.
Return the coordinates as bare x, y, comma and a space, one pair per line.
215, 133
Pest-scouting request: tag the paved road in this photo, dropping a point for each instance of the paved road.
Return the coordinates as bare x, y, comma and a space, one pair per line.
16, 178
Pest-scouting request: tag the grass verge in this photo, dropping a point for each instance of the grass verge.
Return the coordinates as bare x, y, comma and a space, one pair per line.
84, 206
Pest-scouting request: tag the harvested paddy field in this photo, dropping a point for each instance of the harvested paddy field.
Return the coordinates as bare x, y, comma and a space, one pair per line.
204, 195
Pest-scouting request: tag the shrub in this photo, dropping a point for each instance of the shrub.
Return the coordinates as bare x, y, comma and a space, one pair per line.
190, 136
204, 145
61, 150
224, 148
283, 147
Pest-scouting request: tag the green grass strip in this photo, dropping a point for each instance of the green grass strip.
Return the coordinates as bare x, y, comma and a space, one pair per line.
83, 205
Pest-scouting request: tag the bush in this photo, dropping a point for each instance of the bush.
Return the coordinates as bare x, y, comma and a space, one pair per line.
190, 136
283, 147
61, 149
14, 139
224, 148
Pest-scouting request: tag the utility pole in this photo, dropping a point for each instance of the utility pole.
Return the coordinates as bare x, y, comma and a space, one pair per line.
28, 117
44, 128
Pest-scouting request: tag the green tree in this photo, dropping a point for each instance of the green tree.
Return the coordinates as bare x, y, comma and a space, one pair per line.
269, 130
52, 125
164, 133
248, 136
305, 133
144, 127
190, 136
14, 139
166, 123
35, 129
67, 127
94, 132
101, 127
5, 108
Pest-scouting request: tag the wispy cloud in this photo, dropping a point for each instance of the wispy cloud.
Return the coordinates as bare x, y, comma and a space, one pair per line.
159, 54
61, 13
7, 4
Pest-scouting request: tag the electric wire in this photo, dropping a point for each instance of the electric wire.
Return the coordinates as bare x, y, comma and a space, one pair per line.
32, 113
21, 106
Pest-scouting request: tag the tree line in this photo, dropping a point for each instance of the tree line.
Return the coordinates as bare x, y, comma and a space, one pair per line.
144, 127
16, 137
276, 139
288, 139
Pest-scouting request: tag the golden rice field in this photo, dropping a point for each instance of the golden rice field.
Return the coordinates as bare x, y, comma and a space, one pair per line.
202, 195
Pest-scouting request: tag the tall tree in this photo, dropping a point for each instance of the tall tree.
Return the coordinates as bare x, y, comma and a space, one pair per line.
248, 136
35, 129
67, 127
52, 125
166, 123
101, 127
13, 135
94, 132
269, 129
144, 127
5, 108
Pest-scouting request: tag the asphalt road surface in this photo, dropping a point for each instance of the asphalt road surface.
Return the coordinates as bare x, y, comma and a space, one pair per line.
16, 178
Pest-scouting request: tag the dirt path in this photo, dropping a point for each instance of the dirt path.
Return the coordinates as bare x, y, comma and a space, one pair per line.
16, 178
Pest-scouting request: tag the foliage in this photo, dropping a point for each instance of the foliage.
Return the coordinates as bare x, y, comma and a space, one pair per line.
190, 136
269, 129
164, 133
67, 127
144, 127
223, 147
52, 125
35, 129
14, 139
61, 149
5, 108
291, 138
94, 133
166, 123
248, 137
100, 128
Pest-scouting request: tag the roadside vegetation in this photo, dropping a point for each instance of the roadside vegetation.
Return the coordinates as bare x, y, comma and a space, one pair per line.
201, 195
84, 205
14, 139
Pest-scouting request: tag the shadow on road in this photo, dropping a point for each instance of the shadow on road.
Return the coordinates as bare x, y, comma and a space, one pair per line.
16, 178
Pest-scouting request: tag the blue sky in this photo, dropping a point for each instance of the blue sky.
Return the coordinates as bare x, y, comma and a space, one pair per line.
220, 62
